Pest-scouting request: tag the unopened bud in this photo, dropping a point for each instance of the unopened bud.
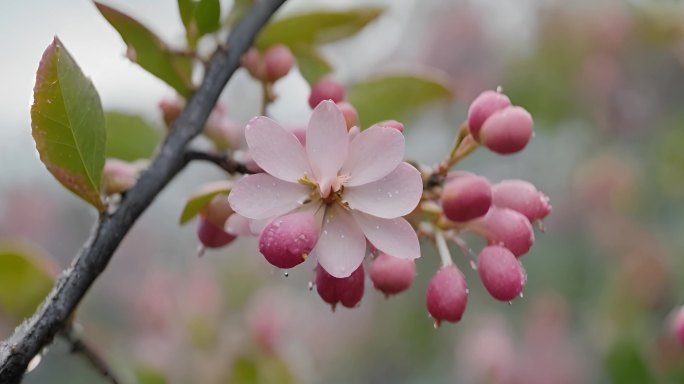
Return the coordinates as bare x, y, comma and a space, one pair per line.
507, 131
287, 240
212, 236
392, 275
447, 295
118, 176
501, 273
326, 89
278, 61
346, 290
351, 116
466, 197
521, 196
171, 109
253, 63
505, 227
483, 107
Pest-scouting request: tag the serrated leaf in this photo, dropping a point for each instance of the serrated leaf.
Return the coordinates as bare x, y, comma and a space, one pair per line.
311, 64
316, 27
150, 52
395, 96
240, 8
67, 124
199, 199
25, 279
130, 137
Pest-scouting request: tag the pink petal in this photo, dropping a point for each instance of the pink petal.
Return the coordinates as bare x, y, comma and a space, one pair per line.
373, 154
238, 225
262, 196
327, 142
395, 237
276, 150
341, 246
396, 194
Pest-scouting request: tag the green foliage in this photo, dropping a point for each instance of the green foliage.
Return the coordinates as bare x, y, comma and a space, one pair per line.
316, 27
311, 64
199, 17
25, 280
130, 137
68, 124
147, 375
260, 369
148, 51
394, 96
200, 199
626, 365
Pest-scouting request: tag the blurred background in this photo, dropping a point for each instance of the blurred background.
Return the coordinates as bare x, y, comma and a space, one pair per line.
604, 81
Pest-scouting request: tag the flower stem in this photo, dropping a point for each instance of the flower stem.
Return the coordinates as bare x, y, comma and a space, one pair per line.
443, 249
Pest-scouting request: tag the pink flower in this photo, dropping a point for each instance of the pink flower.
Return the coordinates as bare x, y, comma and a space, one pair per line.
356, 186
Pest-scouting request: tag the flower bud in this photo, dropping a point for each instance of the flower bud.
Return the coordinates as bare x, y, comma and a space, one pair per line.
392, 124
677, 324
326, 89
521, 196
347, 290
223, 132
447, 295
506, 227
351, 117
507, 131
212, 236
118, 176
217, 211
171, 109
466, 197
278, 61
484, 106
501, 273
392, 275
287, 240
253, 63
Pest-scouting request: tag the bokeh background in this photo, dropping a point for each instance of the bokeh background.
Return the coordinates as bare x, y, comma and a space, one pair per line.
604, 81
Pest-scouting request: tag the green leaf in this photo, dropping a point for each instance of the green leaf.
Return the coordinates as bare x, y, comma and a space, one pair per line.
626, 364
240, 8
311, 64
200, 199
68, 125
130, 137
186, 8
260, 369
316, 27
147, 375
395, 96
25, 279
150, 52
199, 17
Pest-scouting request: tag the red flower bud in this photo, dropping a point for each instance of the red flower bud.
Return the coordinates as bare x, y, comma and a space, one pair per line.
392, 275
466, 197
278, 61
506, 227
447, 295
287, 240
484, 106
347, 290
501, 273
521, 196
326, 89
507, 131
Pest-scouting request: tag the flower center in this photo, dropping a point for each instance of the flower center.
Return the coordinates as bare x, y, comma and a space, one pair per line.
327, 193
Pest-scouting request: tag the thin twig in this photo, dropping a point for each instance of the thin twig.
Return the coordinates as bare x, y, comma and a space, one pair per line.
81, 347
52, 315
224, 161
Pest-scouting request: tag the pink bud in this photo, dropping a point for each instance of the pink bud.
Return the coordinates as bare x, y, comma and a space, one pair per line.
506, 227
521, 196
326, 89
466, 197
170, 109
347, 290
392, 124
447, 295
351, 117
118, 176
392, 275
501, 273
223, 132
253, 63
278, 61
507, 131
212, 236
217, 211
287, 240
484, 106
677, 324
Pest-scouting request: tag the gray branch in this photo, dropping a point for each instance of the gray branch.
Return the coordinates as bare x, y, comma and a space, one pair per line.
55, 311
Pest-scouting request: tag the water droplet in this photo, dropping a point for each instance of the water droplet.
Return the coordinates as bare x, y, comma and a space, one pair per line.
33, 364
473, 265
521, 295
311, 285
325, 232
286, 274
377, 227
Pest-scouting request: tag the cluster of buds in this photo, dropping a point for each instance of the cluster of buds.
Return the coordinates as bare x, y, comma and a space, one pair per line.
268, 66
328, 88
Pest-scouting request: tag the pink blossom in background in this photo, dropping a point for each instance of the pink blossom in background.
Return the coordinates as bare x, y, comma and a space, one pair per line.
356, 186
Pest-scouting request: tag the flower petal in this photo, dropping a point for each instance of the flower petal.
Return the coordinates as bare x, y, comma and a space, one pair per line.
373, 154
276, 149
238, 225
262, 196
341, 246
395, 237
327, 142
396, 194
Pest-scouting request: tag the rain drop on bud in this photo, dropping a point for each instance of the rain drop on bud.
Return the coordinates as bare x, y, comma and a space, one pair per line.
501, 273
507, 131
326, 89
484, 106
466, 197
392, 275
521, 196
287, 240
333, 290
447, 295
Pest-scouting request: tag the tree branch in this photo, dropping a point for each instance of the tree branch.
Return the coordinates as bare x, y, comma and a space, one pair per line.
223, 161
53, 314
80, 346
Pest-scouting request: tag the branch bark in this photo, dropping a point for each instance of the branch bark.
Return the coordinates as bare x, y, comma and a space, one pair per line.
54, 313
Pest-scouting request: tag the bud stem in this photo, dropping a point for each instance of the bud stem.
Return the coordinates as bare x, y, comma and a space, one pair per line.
443, 249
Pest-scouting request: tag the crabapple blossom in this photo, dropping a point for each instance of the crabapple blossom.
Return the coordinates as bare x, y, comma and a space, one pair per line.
507, 131
393, 124
447, 295
500, 272
392, 275
506, 227
347, 290
484, 106
326, 88
521, 196
466, 197
356, 188
287, 240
